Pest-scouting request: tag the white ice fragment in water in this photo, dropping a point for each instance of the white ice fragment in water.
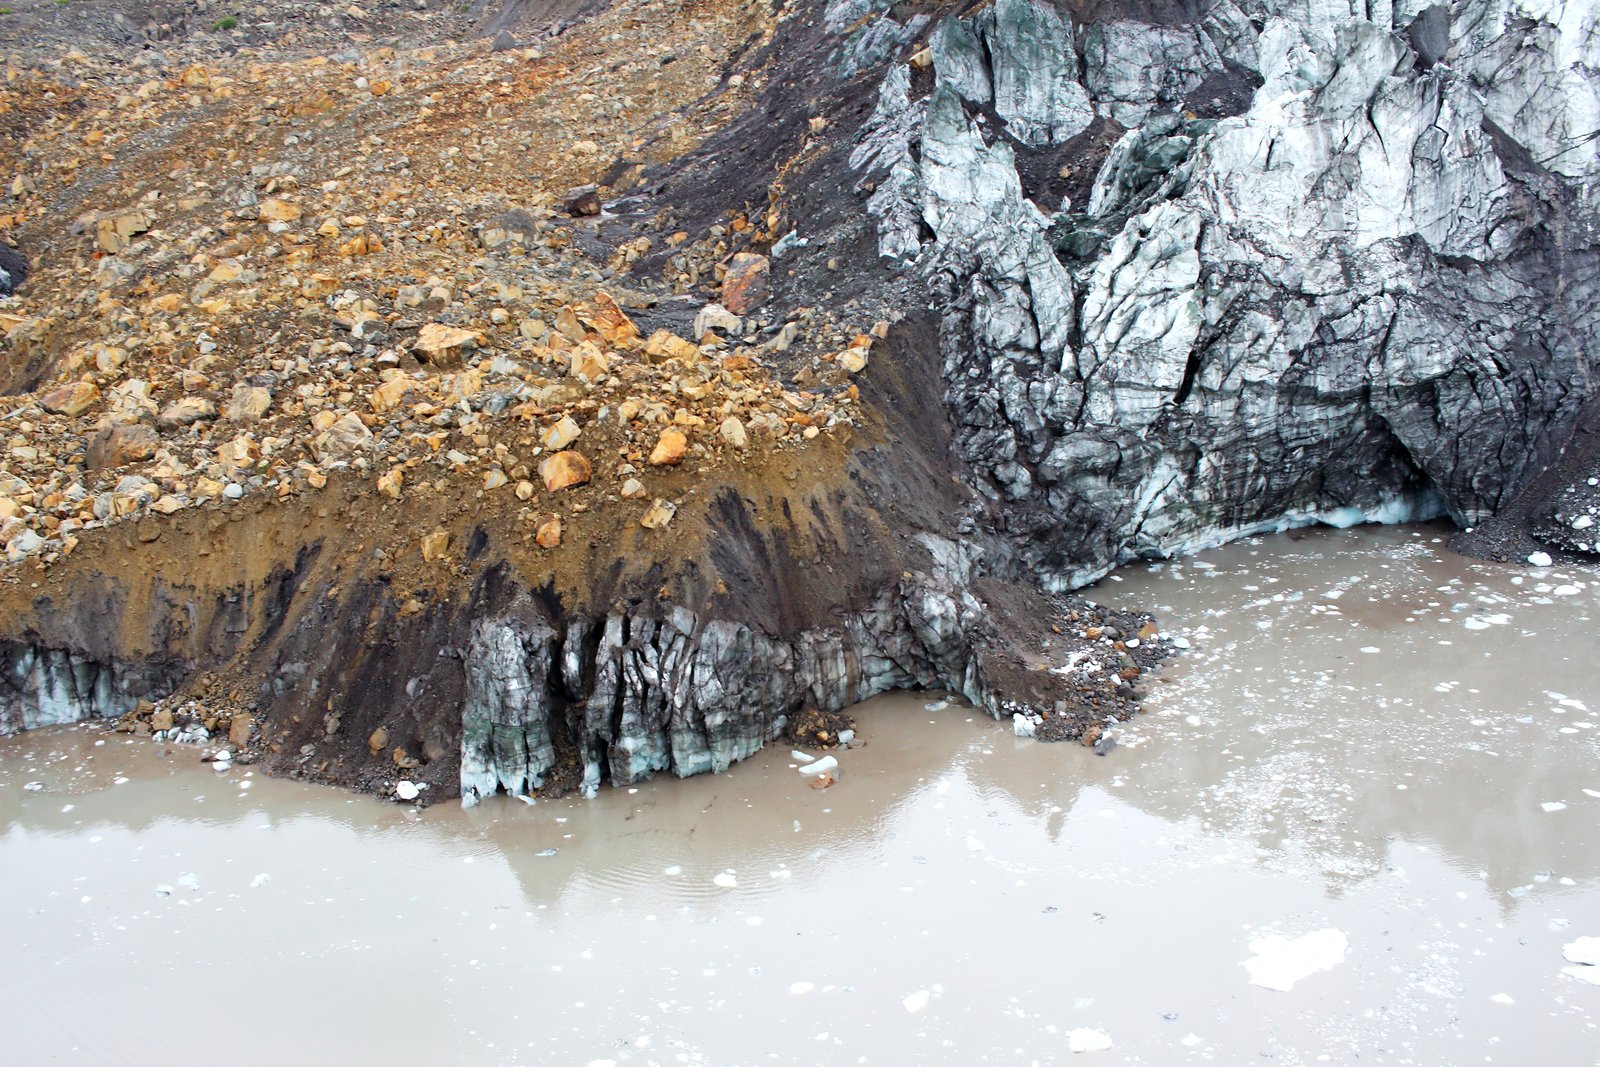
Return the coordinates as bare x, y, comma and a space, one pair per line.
189, 881
1502, 998
673, 871
1553, 805
1585, 950
1279, 962
163, 890
916, 1001
935, 705
407, 790
1371, 649
1192, 1040
973, 844
1565, 590
1592, 793
801, 987
847, 737
1022, 725
1483, 622
800, 757
34, 787
1084, 1039
1540, 559
727, 880
1179, 642
546, 853
260, 880
817, 768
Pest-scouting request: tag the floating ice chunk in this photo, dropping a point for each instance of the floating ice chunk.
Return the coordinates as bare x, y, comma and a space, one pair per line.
525, 798
1179, 642
260, 880
847, 737
973, 844
1553, 805
1022, 725
407, 790
189, 881
916, 1001
801, 987
1540, 559
163, 890
1585, 950
727, 880
673, 871
1279, 962
1583, 973
1565, 590
34, 787
1192, 1040
1083, 1039
800, 757
1592, 793
1483, 622
817, 768
1502, 998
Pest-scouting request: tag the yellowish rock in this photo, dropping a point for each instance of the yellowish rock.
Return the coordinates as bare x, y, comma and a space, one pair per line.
564, 469
664, 345
115, 232
549, 533
435, 545
562, 434
589, 363
658, 515
389, 483
274, 210
72, 399
494, 479
732, 431
445, 346
669, 449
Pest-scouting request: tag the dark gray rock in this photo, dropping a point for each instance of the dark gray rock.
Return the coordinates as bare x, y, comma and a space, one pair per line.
13, 270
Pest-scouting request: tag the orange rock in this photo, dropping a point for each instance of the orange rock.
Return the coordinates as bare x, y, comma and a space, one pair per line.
609, 320
669, 449
745, 287
549, 533
565, 469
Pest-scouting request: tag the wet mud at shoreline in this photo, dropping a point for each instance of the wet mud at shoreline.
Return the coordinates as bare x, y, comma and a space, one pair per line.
1368, 736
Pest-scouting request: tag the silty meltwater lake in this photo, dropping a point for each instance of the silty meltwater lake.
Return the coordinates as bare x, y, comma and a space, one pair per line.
1358, 823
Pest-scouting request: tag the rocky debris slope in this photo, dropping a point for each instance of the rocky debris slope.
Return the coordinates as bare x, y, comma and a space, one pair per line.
1367, 294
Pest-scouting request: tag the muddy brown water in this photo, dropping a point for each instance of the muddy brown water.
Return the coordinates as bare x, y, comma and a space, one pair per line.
1372, 742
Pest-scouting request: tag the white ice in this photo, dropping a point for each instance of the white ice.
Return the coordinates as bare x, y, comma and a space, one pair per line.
1279, 962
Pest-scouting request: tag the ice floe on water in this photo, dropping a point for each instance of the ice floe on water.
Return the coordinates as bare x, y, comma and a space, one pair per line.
1086, 1039
1584, 957
1278, 962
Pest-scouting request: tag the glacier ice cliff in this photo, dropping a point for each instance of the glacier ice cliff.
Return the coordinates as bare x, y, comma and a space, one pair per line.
1368, 290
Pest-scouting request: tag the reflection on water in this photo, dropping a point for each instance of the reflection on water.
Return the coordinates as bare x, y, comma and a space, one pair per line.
1368, 735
